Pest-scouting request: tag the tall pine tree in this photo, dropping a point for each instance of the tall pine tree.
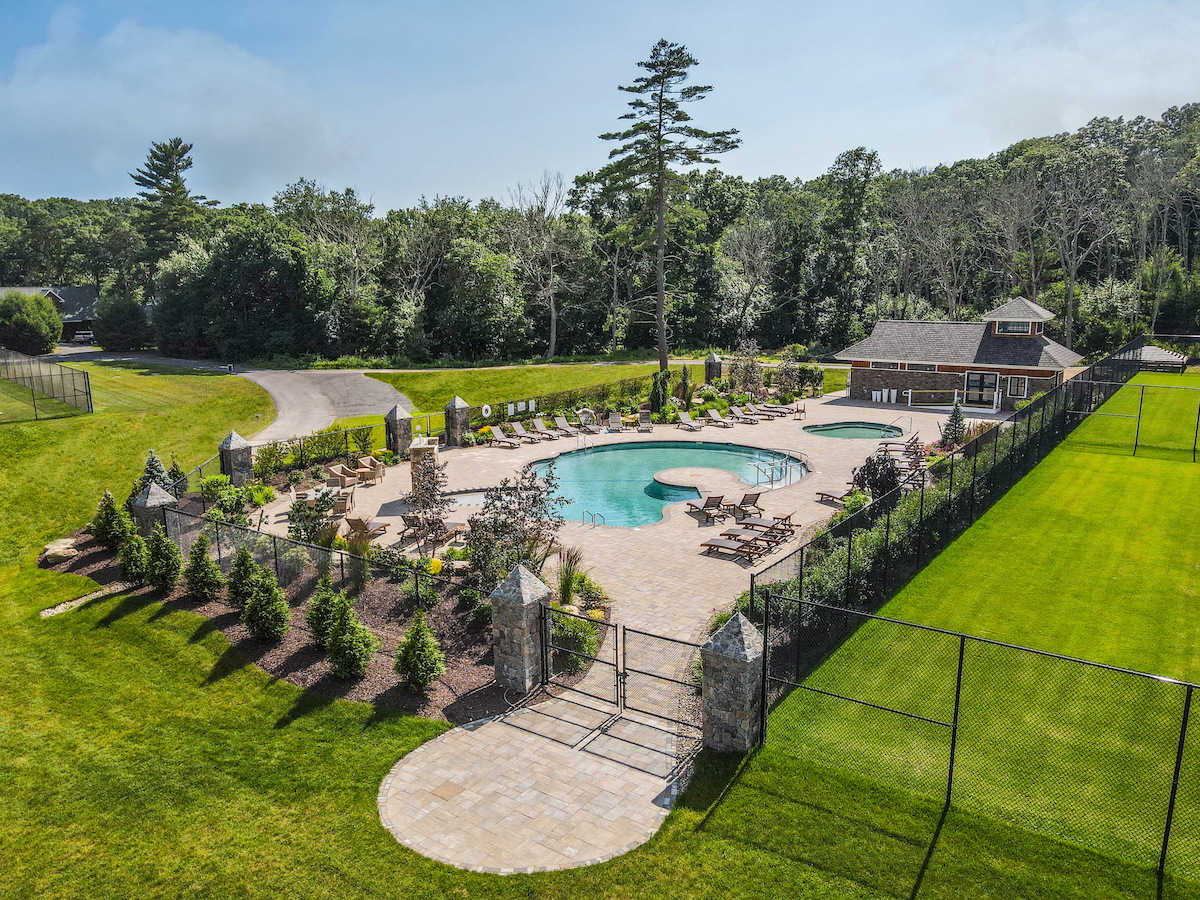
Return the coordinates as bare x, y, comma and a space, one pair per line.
168, 211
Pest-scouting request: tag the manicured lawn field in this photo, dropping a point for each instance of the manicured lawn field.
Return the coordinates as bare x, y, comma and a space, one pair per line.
1093, 554
141, 756
1168, 406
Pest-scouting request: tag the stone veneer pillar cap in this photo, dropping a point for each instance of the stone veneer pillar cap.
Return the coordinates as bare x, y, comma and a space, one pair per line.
521, 587
397, 412
234, 441
712, 357
737, 639
153, 497
458, 403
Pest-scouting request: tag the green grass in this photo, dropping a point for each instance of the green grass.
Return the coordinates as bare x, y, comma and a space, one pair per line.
17, 404
1091, 555
141, 756
835, 380
1168, 406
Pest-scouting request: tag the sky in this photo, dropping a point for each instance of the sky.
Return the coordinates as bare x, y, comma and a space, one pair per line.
402, 100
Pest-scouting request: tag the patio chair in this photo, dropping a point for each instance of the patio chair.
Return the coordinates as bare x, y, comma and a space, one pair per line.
745, 505
775, 408
764, 412
540, 429
362, 526
770, 538
719, 419
499, 437
587, 421
615, 423
827, 497
686, 421
369, 469
644, 423
565, 427
799, 412
344, 503
413, 526
749, 549
442, 531
519, 431
340, 476
711, 507
762, 523
743, 417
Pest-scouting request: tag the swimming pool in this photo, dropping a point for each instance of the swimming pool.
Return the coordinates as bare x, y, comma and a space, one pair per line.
855, 430
617, 481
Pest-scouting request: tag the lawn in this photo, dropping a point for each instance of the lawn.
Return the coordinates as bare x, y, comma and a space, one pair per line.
1168, 405
143, 757
1091, 555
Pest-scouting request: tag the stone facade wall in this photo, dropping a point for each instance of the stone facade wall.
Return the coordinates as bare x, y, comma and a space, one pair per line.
864, 380
516, 620
732, 692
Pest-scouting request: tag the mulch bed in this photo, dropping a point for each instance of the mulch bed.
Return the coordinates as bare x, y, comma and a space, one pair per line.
465, 693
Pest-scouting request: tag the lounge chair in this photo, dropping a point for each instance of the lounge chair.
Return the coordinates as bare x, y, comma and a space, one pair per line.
413, 526
745, 505
775, 408
743, 417
826, 496
711, 507
362, 526
587, 421
750, 549
685, 421
614, 422
644, 423
499, 437
719, 419
762, 523
519, 431
442, 532
770, 538
340, 476
565, 427
764, 412
540, 429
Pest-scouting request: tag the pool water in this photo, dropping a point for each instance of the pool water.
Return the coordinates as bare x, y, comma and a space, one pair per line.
618, 481
855, 430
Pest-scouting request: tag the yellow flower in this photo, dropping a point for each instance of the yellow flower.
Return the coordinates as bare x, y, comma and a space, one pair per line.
435, 566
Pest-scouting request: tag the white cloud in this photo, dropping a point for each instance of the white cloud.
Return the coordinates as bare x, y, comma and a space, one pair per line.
1055, 71
80, 111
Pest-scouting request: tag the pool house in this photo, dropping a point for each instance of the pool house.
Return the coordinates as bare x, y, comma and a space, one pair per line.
991, 364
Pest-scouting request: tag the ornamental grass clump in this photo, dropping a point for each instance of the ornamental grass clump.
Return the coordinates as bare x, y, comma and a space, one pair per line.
202, 577
165, 560
419, 660
133, 561
242, 578
267, 614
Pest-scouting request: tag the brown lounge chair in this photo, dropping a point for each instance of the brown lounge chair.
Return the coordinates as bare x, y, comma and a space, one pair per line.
362, 526
762, 412
750, 549
413, 527
499, 437
772, 537
743, 417
686, 421
762, 523
718, 419
566, 428
745, 505
540, 429
644, 423
519, 431
587, 421
340, 476
442, 532
772, 408
825, 496
711, 507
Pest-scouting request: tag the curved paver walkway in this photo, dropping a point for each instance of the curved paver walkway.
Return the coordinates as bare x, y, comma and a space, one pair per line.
565, 783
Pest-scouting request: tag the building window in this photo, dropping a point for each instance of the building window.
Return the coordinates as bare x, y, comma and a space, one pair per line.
885, 365
1039, 328
920, 367
1018, 386
1012, 327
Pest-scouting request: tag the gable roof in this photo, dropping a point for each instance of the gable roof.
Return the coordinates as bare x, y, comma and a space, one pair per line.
1019, 310
74, 304
959, 344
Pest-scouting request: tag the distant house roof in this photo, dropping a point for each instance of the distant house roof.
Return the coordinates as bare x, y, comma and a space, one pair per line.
1019, 310
74, 304
959, 344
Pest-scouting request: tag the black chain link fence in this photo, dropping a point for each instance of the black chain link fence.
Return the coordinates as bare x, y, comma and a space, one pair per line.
51, 390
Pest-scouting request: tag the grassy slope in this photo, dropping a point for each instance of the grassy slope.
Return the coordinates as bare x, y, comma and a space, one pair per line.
141, 756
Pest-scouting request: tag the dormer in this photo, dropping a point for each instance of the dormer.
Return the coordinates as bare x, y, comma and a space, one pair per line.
1018, 318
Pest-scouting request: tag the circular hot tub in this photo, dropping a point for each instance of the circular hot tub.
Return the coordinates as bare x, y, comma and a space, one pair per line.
856, 430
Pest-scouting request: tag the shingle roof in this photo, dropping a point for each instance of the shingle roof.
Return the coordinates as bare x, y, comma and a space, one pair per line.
958, 343
1019, 310
74, 304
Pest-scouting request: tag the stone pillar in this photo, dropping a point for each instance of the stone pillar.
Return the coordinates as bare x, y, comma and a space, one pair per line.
458, 420
712, 368
732, 698
237, 459
397, 429
516, 620
150, 507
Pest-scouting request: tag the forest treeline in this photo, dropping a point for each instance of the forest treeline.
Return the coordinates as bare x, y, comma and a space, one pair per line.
1100, 226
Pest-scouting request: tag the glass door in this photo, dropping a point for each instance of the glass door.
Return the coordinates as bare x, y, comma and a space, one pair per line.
981, 388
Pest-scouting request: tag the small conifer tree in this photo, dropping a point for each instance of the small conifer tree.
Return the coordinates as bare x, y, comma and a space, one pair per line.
111, 523
165, 560
351, 644
267, 614
202, 577
954, 432
242, 578
419, 660
134, 560
324, 607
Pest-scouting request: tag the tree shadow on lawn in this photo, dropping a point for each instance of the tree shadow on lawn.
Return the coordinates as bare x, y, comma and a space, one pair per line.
130, 603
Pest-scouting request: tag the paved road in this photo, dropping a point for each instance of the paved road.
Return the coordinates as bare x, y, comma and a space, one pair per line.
305, 400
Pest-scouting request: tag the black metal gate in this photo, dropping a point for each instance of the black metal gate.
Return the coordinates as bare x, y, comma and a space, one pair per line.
567, 662
660, 676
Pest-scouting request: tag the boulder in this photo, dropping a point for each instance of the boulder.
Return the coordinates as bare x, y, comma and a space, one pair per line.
59, 551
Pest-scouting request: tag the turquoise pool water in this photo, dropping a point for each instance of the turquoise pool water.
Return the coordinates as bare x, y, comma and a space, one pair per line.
856, 430
618, 481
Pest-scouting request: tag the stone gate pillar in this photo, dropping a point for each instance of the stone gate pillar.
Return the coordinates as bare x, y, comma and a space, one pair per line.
458, 420
712, 368
397, 429
732, 697
237, 459
516, 619
149, 508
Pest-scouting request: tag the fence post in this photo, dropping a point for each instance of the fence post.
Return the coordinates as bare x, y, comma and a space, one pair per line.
974, 467
33, 399
849, 557
962, 649
1196, 431
1162, 858
766, 655
921, 525
342, 566
950, 500
887, 551
275, 553
752, 578
1137, 431
217, 533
